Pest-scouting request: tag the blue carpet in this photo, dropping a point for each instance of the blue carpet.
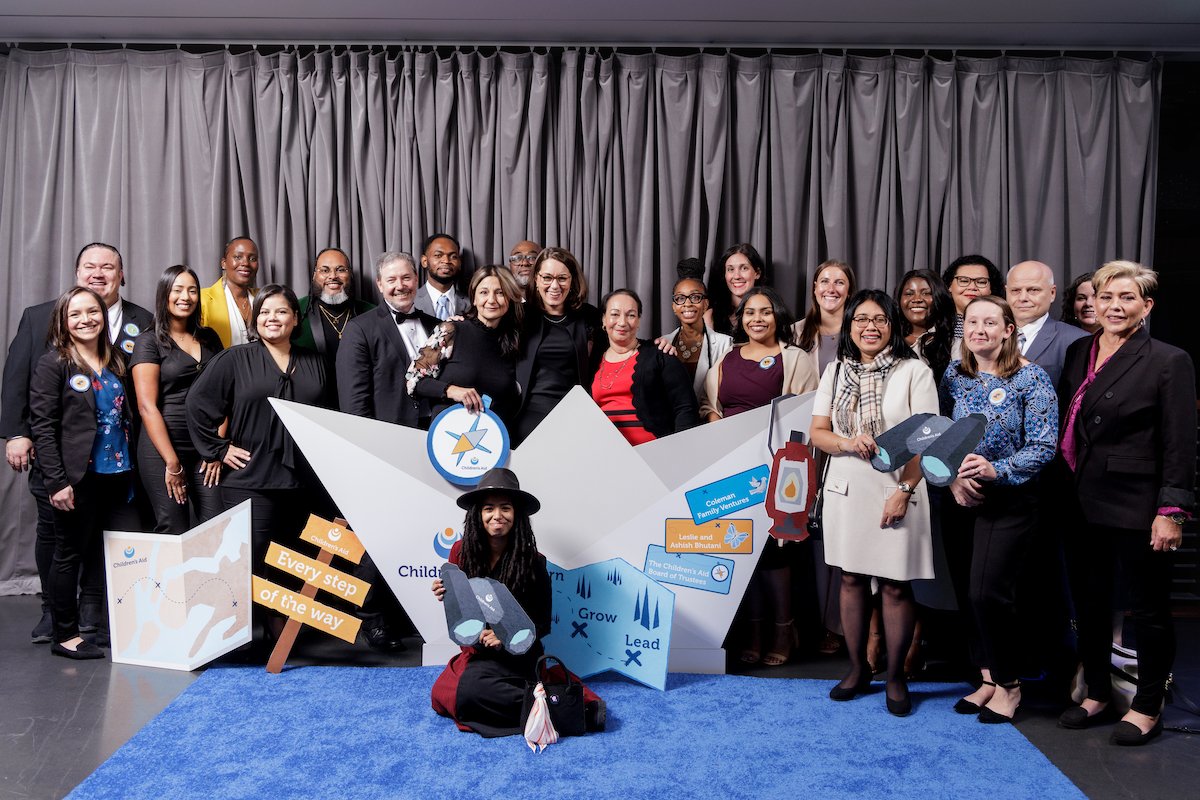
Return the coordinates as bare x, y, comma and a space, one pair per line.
369, 732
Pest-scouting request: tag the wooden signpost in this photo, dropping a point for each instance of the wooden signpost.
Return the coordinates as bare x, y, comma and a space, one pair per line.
334, 539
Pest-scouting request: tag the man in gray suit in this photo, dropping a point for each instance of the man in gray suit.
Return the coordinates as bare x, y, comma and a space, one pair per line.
441, 263
1030, 289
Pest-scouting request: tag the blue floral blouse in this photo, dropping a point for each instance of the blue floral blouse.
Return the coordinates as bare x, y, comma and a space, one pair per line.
1022, 418
110, 448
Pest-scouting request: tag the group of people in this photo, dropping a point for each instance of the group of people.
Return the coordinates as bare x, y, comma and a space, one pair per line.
117, 411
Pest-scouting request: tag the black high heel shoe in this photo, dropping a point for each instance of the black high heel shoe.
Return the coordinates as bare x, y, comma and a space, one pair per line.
965, 706
901, 707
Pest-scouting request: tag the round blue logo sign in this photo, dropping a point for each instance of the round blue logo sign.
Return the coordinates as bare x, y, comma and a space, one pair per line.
463, 446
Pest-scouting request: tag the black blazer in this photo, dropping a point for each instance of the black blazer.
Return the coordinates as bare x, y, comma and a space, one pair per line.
589, 340
1135, 432
63, 422
27, 348
663, 399
371, 362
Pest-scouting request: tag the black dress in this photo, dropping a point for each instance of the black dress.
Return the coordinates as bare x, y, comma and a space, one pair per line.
556, 355
476, 361
238, 384
177, 371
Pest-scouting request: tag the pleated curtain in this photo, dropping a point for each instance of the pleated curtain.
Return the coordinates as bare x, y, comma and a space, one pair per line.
630, 160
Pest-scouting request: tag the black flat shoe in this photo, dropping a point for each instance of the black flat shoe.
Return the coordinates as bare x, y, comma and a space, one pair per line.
1127, 734
989, 717
965, 706
43, 632
841, 693
1076, 718
83, 650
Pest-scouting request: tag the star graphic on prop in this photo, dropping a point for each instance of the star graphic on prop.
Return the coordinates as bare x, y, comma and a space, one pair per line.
470, 440
601, 498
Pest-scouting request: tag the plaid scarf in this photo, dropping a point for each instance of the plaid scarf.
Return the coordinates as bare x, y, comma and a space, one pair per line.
858, 404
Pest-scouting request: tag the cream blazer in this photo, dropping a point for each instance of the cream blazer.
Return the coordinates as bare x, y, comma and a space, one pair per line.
799, 376
720, 344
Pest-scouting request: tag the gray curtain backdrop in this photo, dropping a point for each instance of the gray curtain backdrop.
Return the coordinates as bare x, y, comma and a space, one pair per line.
631, 161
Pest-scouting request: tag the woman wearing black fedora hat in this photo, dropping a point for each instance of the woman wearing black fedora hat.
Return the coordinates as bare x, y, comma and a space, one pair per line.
483, 687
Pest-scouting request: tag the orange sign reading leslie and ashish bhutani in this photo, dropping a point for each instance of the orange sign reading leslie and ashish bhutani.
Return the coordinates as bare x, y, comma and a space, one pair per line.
718, 536
314, 573
306, 610
333, 538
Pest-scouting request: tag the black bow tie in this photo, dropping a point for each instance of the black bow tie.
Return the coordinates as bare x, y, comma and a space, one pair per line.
402, 316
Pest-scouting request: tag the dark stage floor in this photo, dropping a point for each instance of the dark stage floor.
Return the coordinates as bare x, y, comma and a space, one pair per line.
60, 719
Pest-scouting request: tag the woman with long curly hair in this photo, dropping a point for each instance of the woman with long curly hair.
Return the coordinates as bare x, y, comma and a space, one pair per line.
483, 687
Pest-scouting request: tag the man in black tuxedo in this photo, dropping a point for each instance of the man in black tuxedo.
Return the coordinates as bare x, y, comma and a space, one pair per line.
376, 349
99, 268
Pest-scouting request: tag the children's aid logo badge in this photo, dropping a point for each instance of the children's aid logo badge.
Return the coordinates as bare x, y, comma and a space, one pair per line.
997, 396
127, 346
80, 383
463, 446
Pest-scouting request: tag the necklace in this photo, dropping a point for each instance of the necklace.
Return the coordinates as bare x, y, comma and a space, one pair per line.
686, 351
608, 377
334, 320
559, 320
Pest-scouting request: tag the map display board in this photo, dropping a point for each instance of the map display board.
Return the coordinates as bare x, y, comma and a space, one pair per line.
178, 602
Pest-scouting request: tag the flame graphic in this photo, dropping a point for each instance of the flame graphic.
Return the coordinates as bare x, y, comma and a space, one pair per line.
791, 488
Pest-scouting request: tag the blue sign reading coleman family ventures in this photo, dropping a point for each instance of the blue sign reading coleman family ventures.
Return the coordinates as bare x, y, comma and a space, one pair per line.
728, 495
610, 616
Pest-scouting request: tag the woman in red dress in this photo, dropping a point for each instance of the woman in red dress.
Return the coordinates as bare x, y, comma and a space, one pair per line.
646, 393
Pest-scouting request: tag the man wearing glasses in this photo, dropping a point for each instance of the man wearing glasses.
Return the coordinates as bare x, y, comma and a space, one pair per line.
325, 313
521, 258
966, 278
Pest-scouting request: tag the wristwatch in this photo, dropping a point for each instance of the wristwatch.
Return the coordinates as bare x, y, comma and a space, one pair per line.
906, 488
1178, 518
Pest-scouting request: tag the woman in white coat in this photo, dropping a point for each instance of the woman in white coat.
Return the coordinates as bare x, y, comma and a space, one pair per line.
876, 524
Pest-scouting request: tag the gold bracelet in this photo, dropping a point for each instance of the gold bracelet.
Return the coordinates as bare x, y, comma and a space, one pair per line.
180, 472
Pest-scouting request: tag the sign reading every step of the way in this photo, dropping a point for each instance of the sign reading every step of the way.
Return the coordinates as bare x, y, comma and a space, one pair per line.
300, 607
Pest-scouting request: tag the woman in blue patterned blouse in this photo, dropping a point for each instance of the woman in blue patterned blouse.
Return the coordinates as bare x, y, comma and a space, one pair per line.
996, 484
80, 421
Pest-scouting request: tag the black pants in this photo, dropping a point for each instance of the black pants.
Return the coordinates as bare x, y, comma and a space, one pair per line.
277, 515
1004, 526
101, 501
1093, 552
43, 543
169, 516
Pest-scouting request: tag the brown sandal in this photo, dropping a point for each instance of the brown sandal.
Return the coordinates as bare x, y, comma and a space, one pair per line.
775, 658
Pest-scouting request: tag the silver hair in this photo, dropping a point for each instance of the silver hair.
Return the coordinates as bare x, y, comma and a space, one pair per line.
388, 257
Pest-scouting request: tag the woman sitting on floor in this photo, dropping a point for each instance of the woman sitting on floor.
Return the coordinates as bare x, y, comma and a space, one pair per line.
483, 687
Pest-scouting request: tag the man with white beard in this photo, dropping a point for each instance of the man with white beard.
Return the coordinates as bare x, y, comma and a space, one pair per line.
521, 258
325, 313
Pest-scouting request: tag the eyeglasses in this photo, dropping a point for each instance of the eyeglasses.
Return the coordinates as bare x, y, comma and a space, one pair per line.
342, 271
963, 281
546, 280
522, 258
862, 319
695, 298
